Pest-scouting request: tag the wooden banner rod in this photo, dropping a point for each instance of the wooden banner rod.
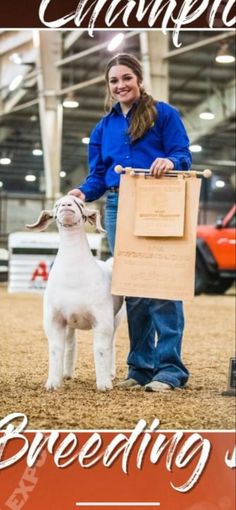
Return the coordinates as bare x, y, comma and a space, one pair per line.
146, 171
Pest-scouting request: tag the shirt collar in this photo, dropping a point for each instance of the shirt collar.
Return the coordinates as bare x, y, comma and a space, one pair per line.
117, 108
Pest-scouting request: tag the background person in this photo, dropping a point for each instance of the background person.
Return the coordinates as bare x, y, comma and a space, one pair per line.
139, 132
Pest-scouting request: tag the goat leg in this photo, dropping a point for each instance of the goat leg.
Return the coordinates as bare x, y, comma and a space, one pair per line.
70, 354
56, 347
103, 355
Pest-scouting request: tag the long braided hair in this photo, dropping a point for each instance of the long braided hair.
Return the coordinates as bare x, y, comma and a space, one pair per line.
144, 115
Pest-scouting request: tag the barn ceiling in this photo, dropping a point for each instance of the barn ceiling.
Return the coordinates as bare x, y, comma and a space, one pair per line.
196, 80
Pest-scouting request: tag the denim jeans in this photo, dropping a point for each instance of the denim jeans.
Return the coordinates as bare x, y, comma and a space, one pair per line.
155, 327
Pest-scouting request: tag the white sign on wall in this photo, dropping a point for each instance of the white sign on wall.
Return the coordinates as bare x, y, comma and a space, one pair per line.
31, 256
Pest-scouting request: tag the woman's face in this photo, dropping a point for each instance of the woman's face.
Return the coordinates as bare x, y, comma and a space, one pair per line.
123, 85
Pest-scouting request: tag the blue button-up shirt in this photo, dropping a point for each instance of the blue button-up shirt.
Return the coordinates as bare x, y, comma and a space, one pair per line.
110, 145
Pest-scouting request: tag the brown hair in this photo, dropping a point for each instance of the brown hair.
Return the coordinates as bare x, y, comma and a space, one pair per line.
144, 115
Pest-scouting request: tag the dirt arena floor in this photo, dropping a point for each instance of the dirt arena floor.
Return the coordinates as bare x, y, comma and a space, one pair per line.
208, 345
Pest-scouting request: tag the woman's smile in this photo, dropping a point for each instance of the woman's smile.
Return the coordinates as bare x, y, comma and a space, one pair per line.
123, 93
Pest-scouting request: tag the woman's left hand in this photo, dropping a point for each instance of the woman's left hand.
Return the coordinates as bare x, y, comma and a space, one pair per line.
160, 166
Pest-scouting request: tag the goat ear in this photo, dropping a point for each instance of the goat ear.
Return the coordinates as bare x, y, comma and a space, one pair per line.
43, 221
94, 218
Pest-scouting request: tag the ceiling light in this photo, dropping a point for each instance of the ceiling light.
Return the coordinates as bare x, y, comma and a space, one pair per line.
37, 151
16, 58
70, 101
207, 115
85, 140
224, 55
16, 82
195, 148
115, 42
33, 118
62, 173
220, 183
1, 184
5, 161
30, 178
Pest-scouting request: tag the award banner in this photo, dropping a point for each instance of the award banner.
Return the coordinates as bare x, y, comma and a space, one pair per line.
93, 14
142, 468
163, 266
78, 448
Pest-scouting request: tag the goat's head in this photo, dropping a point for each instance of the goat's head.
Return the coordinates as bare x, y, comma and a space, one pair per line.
69, 212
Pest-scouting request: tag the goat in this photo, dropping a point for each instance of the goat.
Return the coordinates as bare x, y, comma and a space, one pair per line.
77, 295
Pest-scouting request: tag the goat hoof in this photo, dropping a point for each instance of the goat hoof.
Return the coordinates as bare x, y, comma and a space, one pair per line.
104, 387
50, 386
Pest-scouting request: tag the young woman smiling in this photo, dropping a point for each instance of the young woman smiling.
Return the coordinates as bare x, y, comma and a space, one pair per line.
139, 132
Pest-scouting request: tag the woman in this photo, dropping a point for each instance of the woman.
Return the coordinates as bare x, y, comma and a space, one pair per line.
139, 132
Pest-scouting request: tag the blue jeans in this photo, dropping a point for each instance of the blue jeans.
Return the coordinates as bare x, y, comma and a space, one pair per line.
155, 327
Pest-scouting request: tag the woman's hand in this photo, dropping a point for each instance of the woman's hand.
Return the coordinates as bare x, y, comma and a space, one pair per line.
160, 166
77, 193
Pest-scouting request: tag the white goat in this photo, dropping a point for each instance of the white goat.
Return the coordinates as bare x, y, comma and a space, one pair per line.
78, 295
